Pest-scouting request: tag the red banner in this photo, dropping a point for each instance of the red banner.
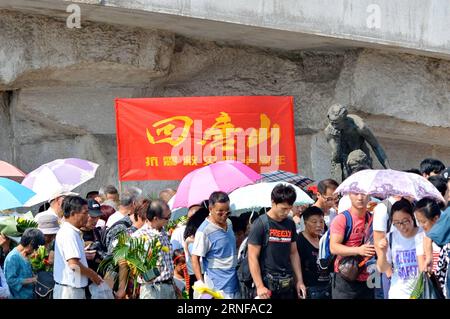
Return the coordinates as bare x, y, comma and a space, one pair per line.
166, 138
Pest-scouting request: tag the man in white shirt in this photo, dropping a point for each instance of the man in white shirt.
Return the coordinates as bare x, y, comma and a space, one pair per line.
55, 205
126, 205
71, 271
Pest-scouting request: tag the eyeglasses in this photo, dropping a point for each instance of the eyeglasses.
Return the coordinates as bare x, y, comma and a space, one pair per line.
331, 198
403, 222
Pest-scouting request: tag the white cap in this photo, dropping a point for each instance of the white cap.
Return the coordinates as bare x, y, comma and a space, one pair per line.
62, 193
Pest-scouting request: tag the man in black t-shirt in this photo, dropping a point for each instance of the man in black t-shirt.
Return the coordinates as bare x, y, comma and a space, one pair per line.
275, 264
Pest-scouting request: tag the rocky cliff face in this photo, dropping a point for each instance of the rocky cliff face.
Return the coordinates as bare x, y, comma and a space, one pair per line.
58, 87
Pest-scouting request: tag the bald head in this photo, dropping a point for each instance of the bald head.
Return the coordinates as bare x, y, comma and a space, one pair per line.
166, 194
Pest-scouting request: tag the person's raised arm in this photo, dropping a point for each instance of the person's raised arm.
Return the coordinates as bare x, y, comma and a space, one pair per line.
376, 147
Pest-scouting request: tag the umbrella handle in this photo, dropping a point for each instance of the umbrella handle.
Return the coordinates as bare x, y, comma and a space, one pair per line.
364, 261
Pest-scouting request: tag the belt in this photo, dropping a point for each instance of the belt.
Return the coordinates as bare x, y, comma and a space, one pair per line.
167, 282
69, 286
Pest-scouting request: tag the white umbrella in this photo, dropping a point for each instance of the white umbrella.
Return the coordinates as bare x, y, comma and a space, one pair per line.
257, 196
58, 176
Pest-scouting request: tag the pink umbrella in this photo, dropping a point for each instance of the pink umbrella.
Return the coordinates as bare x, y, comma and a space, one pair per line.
8, 170
223, 176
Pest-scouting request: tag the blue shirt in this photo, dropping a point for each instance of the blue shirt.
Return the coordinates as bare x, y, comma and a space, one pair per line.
440, 232
17, 268
218, 249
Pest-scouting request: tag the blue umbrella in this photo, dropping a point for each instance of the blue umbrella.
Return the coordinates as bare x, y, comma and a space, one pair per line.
13, 194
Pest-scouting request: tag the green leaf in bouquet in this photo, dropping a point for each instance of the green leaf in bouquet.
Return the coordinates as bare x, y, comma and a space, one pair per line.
23, 224
418, 288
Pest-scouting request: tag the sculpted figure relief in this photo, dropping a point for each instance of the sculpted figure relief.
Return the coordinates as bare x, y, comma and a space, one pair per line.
346, 133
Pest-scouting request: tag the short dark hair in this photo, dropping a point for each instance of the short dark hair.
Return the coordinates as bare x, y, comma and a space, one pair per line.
33, 237
413, 170
238, 223
218, 197
405, 206
429, 207
283, 194
109, 189
326, 184
72, 204
195, 221
156, 209
430, 165
439, 182
312, 211
92, 193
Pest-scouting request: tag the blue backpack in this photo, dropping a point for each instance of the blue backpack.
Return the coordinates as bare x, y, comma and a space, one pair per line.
326, 258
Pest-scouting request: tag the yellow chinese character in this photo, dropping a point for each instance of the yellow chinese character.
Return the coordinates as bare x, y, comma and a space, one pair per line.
250, 160
190, 160
264, 160
209, 159
281, 159
255, 137
170, 160
151, 161
221, 133
167, 130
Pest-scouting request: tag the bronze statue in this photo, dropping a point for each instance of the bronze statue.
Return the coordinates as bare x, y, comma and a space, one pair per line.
346, 133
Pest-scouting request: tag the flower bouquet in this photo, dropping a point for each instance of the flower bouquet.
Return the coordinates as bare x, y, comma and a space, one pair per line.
39, 260
171, 225
140, 255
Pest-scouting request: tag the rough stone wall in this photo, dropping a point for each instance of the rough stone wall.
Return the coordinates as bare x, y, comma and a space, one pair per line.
59, 87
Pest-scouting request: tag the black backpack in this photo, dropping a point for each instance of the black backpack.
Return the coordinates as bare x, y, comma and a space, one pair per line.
105, 231
243, 269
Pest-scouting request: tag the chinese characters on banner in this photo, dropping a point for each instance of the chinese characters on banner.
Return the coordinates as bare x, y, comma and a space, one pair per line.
166, 138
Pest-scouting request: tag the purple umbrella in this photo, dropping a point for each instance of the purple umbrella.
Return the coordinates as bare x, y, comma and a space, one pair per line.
387, 182
61, 175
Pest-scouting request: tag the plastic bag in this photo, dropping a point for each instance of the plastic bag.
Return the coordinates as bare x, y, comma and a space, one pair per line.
427, 287
431, 288
203, 291
102, 291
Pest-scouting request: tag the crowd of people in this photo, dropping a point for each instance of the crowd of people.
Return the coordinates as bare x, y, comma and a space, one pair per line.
272, 253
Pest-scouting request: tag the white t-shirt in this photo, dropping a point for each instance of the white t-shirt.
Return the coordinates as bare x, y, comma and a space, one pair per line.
406, 267
114, 218
69, 244
329, 218
381, 216
177, 238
